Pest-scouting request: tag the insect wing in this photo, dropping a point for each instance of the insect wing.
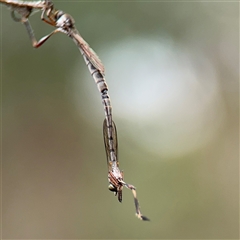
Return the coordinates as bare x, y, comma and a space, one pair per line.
91, 55
110, 138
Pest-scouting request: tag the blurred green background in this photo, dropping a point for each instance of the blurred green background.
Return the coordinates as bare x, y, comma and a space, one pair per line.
172, 71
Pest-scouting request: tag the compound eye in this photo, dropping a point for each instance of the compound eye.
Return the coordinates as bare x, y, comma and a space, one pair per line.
112, 188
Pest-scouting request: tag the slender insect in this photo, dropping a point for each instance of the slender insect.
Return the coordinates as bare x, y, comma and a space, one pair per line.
65, 23
115, 175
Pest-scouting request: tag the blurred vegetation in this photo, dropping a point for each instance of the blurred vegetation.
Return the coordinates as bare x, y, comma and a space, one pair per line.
173, 71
